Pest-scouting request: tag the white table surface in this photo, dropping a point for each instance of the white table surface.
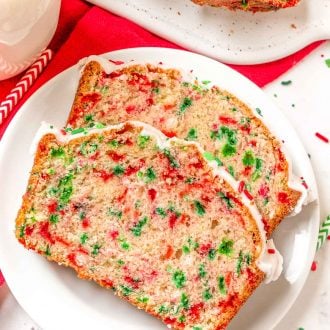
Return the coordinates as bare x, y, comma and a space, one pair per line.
310, 95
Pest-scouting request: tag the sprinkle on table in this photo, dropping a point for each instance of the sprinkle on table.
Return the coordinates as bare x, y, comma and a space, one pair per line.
314, 266
327, 62
286, 82
322, 137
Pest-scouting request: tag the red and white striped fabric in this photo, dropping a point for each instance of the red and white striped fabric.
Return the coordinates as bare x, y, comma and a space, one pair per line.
24, 84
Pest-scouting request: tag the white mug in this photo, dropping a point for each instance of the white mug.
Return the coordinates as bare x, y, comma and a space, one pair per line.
26, 28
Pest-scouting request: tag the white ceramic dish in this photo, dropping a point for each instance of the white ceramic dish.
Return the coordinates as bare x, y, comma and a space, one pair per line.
231, 37
53, 296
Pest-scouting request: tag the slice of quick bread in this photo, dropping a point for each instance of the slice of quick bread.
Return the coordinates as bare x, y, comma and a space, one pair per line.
229, 131
149, 218
249, 5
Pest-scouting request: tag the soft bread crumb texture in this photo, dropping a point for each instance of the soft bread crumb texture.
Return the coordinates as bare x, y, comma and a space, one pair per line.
155, 226
225, 127
249, 5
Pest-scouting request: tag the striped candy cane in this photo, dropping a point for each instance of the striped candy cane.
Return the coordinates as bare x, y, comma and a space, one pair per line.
24, 84
323, 233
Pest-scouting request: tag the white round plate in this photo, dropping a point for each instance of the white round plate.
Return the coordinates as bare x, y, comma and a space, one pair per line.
53, 296
231, 37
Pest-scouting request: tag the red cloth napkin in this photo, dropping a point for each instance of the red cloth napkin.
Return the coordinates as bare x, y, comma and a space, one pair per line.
85, 30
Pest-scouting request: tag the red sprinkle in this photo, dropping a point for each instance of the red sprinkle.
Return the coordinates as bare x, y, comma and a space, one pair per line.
263, 190
195, 310
172, 220
248, 195
314, 266
44, 232
283, 198
130, 108
241, 186
85, 223
227, 120
52, 207
322, 137
328, 238
271, 251
152, 194
116, 62
72, 258
115, 156
114, 234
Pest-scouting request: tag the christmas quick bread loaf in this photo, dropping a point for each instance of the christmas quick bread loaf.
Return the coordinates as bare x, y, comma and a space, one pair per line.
148, 218
230, 131
249, 5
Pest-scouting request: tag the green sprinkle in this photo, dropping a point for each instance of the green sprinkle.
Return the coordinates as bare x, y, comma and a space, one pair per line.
228, 150
160, 211
222, 285
143, 140
226, 199
82, 215
231, 171
186, 249
65, 189
190, 180
88, 118
115, 213
327, 62
207, 295
182, 319
162, 309
99, 125
248, 159
266, 201
22, 231
65, 195
201, 271
247, 259
255, 176
120, 262
197, 328
208, 156
226, 247
83, 238
259, 112
118, 170
137, 229
57, 153
199, 208
96, 249
286, 82
186, 103
125, 245
184, 301
258, 164
150, 174
211, 254
113, 143
104, 89
51, 171
156, 90
47, 251
206, 82
53, 218
126, 290
171, 159
78, 130
143, 300
179, 279
239, 263
192, 134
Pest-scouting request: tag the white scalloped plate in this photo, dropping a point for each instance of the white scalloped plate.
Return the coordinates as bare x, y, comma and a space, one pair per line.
53, 296
231, 37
